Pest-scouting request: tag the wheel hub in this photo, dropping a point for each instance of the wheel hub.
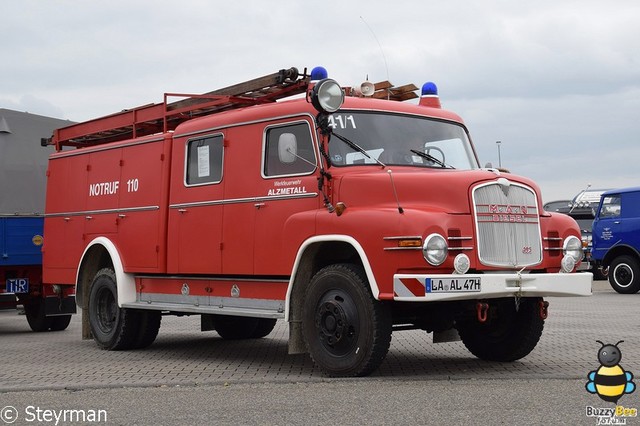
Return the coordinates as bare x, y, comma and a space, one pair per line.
106, 310
623, 275
332, 322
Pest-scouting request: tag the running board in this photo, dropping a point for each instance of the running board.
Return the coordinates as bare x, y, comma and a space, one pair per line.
207, 309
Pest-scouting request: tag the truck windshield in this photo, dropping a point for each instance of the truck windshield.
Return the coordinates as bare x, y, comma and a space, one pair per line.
400, 140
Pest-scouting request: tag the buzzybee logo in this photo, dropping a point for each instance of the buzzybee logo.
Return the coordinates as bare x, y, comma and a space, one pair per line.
610, 381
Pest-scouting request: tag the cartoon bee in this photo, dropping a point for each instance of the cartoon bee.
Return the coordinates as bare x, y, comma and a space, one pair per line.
610, 381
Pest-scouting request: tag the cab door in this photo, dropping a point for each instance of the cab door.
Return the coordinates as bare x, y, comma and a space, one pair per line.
607, 225
288, 199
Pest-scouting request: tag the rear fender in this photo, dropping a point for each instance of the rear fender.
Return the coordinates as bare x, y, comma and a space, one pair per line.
125, 282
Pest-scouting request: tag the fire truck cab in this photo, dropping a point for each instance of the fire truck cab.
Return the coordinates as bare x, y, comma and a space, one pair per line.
346, 212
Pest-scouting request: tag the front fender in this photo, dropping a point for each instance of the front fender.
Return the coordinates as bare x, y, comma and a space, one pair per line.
329, 238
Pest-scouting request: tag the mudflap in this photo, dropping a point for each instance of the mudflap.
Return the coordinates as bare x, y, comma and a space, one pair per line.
56, 306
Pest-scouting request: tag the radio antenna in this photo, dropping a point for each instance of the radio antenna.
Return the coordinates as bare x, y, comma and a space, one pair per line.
386, 66
395, 193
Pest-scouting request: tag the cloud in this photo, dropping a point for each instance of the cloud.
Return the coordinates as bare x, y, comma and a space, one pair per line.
557, 82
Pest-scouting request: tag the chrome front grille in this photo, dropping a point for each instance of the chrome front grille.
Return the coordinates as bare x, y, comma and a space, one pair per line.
507, 224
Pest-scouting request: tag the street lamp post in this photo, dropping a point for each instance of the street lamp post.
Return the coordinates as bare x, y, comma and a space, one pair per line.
499, 158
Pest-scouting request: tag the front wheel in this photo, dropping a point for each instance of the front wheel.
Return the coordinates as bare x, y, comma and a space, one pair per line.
508, 334
235, 327
624, 275
264, 328
60, 322
347, 332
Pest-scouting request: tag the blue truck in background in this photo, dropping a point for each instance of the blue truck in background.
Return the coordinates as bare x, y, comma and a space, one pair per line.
23, 166
616, 238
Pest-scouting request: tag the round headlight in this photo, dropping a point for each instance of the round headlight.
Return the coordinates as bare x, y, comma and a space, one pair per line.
435, 249
573, 247
327, 96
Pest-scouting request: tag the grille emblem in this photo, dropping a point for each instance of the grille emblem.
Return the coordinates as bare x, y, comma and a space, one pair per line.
504, 186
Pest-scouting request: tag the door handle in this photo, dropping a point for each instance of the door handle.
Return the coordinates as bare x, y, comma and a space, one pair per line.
259, 205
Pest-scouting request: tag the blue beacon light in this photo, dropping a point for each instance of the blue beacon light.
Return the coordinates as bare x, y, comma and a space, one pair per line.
429, 88
430, 96
318, 73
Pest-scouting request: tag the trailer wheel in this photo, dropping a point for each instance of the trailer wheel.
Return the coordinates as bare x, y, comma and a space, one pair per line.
35, 313
112, 328
235, 327
347, 332
624, 275
507, 335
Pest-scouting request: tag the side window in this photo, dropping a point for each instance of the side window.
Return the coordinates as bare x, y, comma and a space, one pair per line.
288, 151
610, 206
204, 160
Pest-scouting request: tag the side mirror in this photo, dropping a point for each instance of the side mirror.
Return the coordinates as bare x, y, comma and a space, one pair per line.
287, 148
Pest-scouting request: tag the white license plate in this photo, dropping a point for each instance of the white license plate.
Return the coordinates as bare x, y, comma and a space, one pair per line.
453, 285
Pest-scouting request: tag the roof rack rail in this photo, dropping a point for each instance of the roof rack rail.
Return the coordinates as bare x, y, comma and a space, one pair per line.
163, 117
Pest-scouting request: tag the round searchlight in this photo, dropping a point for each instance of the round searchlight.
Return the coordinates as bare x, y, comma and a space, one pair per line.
327, 96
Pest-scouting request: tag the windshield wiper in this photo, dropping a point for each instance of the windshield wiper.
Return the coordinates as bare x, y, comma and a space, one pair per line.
432, 159
358, 148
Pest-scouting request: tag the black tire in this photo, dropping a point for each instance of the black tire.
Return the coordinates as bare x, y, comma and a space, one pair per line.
60, 322
264, 327
624, 275
148, 329
507, 335
112, 328
235, 327
35, 313
347, 331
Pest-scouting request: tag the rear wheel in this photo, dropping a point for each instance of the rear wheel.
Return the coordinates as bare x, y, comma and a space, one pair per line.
112, 328
508, 334
35, 313
149, 326
624, 274
347, 332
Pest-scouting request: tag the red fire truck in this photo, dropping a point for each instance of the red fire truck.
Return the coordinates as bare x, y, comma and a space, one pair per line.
345, 212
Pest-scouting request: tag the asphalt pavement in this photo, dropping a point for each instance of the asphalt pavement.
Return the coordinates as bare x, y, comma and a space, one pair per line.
193, 377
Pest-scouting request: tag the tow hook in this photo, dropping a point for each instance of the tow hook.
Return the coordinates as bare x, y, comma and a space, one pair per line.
544, 309
482, 309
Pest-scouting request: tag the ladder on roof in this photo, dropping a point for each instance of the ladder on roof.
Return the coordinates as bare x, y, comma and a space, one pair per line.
163, 117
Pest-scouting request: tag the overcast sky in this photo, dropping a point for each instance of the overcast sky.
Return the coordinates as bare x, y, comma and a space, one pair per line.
556, 81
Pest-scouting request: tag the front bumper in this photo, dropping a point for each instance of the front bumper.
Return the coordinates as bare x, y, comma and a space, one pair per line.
432, 288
